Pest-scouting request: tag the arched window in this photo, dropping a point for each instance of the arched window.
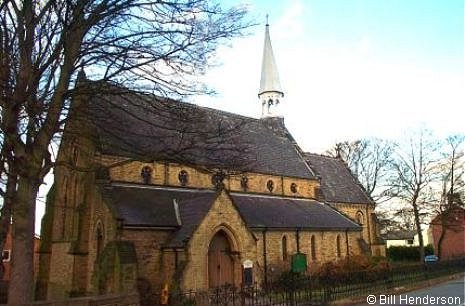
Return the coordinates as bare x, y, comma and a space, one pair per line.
284, 247
183, 177
359, 218
338, 246
146, 174
313, 248
99, 239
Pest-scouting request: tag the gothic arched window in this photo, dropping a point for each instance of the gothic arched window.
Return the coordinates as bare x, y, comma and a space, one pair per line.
313, 247
359, 218
284, 247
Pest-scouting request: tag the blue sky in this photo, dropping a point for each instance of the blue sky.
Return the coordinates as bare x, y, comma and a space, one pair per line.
351, 68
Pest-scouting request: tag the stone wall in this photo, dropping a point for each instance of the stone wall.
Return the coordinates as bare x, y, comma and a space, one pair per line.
61, 272
167, 174
325, 247
150, 263
222, 216
354, 211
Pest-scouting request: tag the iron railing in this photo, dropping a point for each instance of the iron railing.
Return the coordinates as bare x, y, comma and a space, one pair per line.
301, 290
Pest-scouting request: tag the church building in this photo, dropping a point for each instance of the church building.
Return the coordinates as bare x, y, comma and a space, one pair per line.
158, 191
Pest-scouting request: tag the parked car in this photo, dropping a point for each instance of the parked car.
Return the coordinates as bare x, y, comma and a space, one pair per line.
431, 258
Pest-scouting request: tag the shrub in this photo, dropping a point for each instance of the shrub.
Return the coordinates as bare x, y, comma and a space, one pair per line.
407, 253
354, 269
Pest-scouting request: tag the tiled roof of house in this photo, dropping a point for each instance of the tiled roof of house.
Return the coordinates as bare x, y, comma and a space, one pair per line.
400, 235
154, 207
148, 127
338, 185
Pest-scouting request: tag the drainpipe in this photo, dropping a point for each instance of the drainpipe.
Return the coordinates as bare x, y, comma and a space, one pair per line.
347, 243
175, 259
297, 238
265, 265
368, 227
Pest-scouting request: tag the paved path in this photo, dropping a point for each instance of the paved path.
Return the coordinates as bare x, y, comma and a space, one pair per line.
448, 293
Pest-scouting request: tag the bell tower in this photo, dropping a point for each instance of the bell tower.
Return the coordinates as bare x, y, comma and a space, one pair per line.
270, 93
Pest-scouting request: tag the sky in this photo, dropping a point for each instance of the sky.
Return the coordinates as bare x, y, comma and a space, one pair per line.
350, 69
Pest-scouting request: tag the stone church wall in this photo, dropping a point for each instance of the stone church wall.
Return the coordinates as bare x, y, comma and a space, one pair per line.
61, 273
353, 211
222, 216
148, 244
167, 174
325, 248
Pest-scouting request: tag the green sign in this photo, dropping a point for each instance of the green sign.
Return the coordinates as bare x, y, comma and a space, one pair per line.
299, 263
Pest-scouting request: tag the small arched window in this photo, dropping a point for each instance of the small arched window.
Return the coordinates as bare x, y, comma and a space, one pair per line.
284, 247
359, 218
338, 246
244, 182
146, 174
183, 177
313, 247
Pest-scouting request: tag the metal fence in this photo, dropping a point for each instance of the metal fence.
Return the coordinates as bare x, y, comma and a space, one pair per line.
300, 290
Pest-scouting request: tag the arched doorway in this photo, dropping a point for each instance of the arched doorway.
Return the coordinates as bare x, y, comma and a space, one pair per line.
220, 261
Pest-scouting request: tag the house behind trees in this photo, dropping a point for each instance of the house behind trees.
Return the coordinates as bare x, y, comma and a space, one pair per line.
451, 224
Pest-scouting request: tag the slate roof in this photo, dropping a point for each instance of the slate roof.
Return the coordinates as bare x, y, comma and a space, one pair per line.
400, 235
278, 212
149, 207
338, 185
153, 207
148, 127
192, 212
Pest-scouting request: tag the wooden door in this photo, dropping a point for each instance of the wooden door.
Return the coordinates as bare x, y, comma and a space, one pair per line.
220, 263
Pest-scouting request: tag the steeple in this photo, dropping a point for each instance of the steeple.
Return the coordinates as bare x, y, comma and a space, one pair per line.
270, 88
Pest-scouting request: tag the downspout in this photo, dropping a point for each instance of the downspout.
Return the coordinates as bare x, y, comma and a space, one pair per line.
265, 265
176, 260
347, 243
368, 227
297, 238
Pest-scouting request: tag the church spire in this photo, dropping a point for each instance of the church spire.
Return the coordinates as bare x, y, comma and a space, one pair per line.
270, 88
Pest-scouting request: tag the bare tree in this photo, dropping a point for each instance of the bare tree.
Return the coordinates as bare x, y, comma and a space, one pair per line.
414, 174
369, 160
157, 46
453, 185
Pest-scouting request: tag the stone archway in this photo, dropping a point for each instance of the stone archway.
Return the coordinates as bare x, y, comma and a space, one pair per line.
220, 261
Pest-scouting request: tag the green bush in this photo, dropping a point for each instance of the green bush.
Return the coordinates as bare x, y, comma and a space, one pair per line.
407, 253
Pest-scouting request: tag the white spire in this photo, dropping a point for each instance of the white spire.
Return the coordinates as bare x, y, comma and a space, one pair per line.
270, 87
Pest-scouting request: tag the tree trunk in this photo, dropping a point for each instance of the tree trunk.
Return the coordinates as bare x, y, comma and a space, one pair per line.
418, 226
22, 267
